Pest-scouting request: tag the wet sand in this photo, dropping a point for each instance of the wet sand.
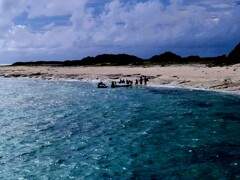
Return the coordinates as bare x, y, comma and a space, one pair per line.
225, 78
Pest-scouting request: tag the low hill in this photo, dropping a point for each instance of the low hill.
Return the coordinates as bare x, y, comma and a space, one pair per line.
125, 59
234, 55
110, 59
165, 58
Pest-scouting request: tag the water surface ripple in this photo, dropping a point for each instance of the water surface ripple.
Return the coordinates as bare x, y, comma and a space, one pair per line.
72, 130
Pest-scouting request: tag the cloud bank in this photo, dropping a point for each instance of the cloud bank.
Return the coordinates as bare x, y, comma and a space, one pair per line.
59, 29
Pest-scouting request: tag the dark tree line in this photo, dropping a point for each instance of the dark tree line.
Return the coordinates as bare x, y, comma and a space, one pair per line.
166, 58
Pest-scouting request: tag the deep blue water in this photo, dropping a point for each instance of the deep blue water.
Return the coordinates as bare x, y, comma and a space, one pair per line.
72, 130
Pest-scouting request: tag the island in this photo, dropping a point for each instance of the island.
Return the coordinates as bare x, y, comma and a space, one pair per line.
221, 73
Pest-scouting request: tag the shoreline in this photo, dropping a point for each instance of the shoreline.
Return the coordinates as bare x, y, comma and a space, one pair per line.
150, 86
197, 89
224, 79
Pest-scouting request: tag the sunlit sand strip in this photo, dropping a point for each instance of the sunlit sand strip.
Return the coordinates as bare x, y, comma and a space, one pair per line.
224, 79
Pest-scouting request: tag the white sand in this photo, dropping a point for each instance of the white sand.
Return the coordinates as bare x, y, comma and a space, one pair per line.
225, 78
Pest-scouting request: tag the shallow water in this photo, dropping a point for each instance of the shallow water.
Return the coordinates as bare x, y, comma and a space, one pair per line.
72, 130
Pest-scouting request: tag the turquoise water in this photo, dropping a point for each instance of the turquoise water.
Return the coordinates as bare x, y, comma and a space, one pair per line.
72, 130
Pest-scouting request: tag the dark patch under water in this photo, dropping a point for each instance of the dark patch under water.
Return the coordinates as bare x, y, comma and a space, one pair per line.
72, 130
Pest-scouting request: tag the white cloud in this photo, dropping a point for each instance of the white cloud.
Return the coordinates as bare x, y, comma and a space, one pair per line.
119, 27
54, 7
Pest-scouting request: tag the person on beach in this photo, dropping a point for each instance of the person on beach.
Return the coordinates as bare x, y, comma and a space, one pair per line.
136, 82
141, 80
113, 84
145, 80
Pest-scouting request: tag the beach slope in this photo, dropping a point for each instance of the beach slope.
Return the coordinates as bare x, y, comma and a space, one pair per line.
226, 78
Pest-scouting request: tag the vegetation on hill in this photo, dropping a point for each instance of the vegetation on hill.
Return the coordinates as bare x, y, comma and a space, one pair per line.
166, 58
234, 55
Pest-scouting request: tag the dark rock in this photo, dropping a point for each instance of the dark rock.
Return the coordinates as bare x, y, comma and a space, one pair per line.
37, 74
16, 75
61, 161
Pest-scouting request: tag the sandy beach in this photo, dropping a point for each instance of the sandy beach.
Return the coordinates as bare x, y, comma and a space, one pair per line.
226, 79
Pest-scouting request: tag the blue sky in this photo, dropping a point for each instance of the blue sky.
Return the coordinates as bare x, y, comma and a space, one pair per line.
73, 29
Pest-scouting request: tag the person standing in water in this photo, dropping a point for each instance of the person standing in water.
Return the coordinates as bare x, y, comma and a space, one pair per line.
145, 80
113, 84
141, 80
136, 82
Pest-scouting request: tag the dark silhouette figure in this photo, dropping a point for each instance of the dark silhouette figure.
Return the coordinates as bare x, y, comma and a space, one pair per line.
141, 80
136, 82
145, 80
113, 84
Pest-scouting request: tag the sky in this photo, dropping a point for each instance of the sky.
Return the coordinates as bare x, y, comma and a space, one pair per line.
32, 30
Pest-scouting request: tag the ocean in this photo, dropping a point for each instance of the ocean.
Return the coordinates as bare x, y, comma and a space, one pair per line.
72, 130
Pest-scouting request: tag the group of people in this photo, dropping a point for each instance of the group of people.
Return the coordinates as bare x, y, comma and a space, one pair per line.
141, 81
121, 83
125, 83
128, 82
